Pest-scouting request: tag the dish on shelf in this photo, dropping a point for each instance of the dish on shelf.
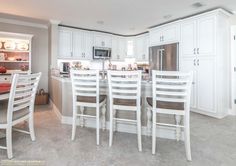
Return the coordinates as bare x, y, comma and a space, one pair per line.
22, 46
9, 45
2, 56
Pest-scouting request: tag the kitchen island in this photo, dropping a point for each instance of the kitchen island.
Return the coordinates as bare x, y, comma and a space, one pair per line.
61, 100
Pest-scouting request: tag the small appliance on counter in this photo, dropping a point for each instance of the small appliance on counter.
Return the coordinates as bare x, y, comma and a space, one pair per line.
65, 69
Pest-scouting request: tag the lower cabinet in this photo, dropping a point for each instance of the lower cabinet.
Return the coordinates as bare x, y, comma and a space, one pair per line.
204, 82
5, 78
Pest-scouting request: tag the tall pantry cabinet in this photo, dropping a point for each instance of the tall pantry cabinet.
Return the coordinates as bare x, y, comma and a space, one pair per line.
204, 49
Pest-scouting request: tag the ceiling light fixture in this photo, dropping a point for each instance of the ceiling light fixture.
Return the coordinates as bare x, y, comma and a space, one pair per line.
100, 22
197, 5
167, 16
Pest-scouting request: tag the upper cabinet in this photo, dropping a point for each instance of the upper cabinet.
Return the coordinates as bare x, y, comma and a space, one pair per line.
165, 34
82, 45
102, 40
141, 48
198, 36
75, 44
119, 48
65, 43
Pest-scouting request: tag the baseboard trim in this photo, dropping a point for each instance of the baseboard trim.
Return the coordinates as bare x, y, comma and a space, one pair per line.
55, 110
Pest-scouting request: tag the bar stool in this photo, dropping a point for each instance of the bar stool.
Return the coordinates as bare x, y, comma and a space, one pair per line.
171, 93
85, 89
124, 94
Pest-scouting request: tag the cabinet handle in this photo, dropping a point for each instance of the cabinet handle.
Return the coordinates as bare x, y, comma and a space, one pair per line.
71, 54
194, 50
162, 38
198, 62
197, 50
143, 56
194, 62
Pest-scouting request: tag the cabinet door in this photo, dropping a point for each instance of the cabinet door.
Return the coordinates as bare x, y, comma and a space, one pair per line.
206, 36
141, 48
122, 49
170, 33
88, 46
155, 37
188, 39
65, 44
187, 65
102, 40
114, 51
206, 84
77, 44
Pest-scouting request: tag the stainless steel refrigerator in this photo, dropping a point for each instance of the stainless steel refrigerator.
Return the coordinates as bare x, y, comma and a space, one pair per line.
165, 57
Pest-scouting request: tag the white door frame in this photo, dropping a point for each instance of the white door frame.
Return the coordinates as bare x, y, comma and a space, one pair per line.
233, 68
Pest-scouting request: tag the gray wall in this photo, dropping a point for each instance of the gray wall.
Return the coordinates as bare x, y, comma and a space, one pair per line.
39, 48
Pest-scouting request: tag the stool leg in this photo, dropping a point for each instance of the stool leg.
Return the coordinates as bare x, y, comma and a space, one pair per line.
139, 130
104, 117
81, 117
153, 132
97, 123
74, 123
178, 130
111, 127
187, 138
149, 122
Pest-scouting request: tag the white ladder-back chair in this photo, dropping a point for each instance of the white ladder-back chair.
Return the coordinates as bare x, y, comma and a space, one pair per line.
171, 91
85, 89
20, 107
125, 94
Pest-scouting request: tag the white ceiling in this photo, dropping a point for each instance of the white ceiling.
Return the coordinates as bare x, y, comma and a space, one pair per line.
125, 17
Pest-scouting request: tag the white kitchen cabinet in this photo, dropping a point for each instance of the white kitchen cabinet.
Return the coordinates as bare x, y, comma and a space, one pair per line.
186, 65
82, 45
102, 40
75, 44
165, 34
204, 50
141, 48
65, 43
203, 86
5, 78
119, 48
198, 36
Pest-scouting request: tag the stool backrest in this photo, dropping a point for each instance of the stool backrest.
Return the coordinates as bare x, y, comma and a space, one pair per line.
22, 93
172, 86
124, 85
85, 83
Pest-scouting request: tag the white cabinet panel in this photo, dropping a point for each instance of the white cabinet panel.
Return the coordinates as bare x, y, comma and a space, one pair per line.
164, 35
102, 40
206, 84
206, 36
188, 65
141, 48
65, 44
119, 48
188, 39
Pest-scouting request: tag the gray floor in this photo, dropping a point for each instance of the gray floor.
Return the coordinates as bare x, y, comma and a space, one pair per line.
213, 144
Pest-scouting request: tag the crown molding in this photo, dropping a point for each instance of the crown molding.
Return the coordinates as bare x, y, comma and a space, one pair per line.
24, 23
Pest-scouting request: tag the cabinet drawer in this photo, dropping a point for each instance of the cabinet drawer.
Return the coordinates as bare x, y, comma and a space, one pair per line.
5, 79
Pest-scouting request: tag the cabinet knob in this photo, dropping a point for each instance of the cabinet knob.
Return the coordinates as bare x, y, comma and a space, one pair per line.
197, 50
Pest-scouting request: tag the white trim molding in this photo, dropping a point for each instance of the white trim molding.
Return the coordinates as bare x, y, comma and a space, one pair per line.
24, 23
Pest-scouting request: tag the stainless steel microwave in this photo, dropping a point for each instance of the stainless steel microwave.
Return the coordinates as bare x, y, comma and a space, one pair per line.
101, 53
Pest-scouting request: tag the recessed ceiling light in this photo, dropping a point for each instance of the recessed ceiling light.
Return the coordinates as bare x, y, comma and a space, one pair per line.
167, 16
100, 22
197, 5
